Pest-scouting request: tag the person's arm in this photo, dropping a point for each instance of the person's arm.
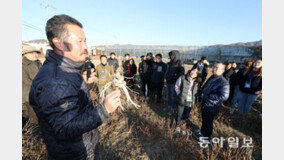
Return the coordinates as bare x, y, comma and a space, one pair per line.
62, 108
26, 84
177, 85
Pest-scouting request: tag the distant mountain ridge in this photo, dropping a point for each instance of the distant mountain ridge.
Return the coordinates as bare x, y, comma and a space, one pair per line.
243, 44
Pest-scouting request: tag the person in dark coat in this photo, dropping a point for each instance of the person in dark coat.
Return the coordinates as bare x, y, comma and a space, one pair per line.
187, 87
158, 77
125, 62
203, 65
145, 73
113, 62
174, 71
215, 91
60, 94
30, 67
235, 82
130, 73
229, 75
250, 85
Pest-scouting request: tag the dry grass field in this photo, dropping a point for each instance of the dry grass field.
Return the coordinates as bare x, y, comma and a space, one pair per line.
149, 133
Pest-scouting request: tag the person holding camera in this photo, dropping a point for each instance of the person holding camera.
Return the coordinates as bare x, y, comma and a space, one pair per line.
60, 95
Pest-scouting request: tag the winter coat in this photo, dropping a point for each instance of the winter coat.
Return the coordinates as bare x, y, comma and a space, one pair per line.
255, 83
175, 68
67, 117
145, 70
130, 72
104, 73
124, 65
158, 72
229, 73
113, 63
213, 94
29, 71
183, 87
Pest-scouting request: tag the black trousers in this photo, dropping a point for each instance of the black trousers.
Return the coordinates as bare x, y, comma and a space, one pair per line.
208, 115
156, 89
143, 84
183, 113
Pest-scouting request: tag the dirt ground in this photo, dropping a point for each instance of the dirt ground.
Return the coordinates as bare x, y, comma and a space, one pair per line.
149, 133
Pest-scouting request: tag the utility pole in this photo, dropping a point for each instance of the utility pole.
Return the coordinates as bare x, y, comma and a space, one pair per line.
47, 6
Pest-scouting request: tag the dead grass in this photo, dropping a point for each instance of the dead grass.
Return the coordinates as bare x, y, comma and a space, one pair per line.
148, 133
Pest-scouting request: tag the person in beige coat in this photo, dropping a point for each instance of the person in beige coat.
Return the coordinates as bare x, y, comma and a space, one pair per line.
30, 67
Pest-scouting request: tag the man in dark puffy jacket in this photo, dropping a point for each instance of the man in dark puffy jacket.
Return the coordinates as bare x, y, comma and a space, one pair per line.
113, 62
174, 71
60, 94
215, 91
145, 72
159, 69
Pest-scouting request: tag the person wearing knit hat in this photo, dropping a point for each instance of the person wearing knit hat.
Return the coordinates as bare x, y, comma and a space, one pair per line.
30, 67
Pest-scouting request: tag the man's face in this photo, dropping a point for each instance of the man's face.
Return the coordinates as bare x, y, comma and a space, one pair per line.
112, 56
142, 58
148, 57
32, 56
75, 47
218, 69
104, 60
158, 59
126, 57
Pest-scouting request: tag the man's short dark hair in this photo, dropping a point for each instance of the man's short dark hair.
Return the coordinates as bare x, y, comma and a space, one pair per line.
55, 27
103, 56
126, 55
142, 56
149, 54
158, 55
203, 58
112, 53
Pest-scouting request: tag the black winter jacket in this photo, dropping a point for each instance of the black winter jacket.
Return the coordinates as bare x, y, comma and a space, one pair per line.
145, 70
113, 63
256, 84
175, 68
214, 94
158, 72
62, 103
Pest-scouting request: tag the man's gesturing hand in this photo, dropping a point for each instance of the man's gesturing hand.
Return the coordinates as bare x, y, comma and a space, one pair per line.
112, 101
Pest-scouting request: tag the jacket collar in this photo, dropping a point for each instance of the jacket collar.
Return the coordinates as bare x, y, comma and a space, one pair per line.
52, 57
